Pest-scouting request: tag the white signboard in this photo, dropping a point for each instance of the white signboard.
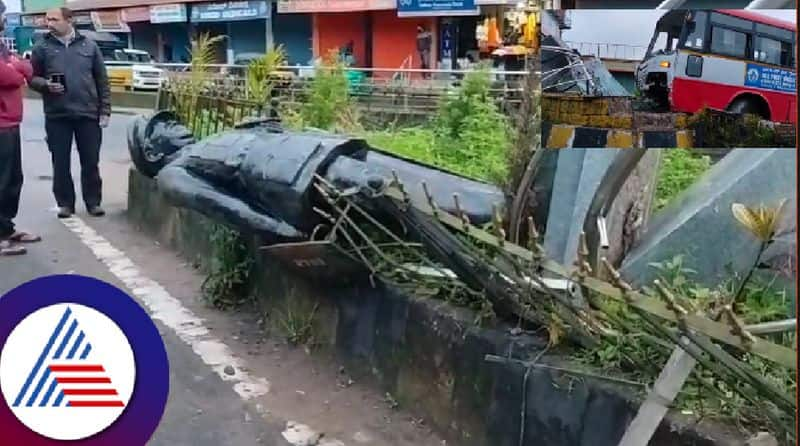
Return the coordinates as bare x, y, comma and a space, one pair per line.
174, 13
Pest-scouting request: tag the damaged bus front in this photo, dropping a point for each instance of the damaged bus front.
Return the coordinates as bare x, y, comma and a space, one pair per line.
734, 60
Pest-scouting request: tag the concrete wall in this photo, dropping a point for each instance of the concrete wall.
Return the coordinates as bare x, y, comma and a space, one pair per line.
429, 355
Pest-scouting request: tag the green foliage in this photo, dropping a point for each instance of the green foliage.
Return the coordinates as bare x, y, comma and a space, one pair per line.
297, 323
718, 130
260, 80
328, 105
640, 356
468, 136
470, 132
229, 268
203, 54
679, 169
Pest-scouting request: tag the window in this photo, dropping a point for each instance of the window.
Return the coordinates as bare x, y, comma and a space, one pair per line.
771, 51
694, 66
780, 33
696, 34
728, 42
734, 22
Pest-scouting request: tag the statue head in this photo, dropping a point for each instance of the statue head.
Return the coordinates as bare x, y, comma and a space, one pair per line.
155, 142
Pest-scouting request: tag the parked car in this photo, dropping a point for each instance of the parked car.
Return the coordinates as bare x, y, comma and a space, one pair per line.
133, 70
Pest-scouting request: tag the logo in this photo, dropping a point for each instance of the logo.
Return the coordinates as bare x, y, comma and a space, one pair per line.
83, 366
752, 75
80, 362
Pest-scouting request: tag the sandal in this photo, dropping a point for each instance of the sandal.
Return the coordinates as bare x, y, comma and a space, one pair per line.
24, 237
7, 249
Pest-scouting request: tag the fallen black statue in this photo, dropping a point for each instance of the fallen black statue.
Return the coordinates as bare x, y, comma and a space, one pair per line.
259, 177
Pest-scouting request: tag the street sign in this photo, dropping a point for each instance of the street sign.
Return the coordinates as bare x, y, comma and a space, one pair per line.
433, 8
229, 11
770, 78
307, 6
174, 13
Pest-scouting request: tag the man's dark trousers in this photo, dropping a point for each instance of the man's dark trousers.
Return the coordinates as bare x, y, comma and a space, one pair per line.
88, 137
10, 178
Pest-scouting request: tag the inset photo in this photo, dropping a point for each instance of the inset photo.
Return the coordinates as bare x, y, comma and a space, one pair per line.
669, 78
669, 4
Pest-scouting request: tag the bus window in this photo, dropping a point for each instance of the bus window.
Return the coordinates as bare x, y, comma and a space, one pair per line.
728, 42
696, 31
772, 51
734, 22
782, 34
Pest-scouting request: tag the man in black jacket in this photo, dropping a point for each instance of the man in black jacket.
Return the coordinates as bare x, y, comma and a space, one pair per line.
69, 72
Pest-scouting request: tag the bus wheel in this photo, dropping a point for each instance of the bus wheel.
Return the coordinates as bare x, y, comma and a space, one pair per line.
749, 106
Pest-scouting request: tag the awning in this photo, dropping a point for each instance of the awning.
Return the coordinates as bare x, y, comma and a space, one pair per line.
109, 21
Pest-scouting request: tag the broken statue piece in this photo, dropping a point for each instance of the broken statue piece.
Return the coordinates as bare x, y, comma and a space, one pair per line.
260, 178
700, 225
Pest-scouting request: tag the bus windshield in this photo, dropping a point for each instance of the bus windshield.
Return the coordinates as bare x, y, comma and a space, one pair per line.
665, 37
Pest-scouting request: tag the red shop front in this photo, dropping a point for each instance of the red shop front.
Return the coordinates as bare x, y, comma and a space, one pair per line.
379, 38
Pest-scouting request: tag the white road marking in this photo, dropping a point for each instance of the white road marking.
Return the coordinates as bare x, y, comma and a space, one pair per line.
187, 326
171, 312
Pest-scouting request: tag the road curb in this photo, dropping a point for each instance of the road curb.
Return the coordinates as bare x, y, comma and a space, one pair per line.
560, 136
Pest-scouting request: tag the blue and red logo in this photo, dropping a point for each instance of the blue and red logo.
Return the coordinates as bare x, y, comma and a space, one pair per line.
80, 362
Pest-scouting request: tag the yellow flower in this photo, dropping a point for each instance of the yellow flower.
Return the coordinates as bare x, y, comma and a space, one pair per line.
762, 222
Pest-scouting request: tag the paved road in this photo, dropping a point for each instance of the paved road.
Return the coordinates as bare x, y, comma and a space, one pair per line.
206, 407
202, 409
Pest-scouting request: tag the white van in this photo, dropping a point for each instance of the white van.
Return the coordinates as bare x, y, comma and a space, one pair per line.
134, 69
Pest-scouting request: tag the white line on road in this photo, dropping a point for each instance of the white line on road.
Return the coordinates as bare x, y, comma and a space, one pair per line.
171, 312
187, 326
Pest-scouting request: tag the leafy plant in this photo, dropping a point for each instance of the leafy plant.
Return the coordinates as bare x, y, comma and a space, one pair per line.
297, 323
328, 105
229, 269
260, 74
203, 54
679, 169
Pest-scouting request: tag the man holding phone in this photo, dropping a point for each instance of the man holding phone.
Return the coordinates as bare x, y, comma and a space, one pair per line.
14, 73
69, 72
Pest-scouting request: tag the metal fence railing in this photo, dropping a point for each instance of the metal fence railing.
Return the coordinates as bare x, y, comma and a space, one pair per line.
619, 51
209, 113
9, 43
414, 92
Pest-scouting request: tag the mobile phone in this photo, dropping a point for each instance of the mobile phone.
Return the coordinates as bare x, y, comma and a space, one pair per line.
58, 78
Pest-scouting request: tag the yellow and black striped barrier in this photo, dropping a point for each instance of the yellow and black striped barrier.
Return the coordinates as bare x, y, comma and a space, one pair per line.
559, 136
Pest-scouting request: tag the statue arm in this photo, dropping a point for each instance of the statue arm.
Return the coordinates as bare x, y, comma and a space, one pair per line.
186, 190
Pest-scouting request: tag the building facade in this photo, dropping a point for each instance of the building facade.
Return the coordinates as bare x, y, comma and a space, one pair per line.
387, 34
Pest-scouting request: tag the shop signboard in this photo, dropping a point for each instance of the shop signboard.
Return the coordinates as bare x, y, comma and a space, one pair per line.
136, 14
109, 21
433, 8
229, 11
174, 13
82, 18
447, 44
13, 20
34, 21
311, 6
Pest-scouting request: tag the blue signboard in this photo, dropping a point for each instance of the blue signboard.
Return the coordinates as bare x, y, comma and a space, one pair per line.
769, 78
13, 20
421, 8
447, 43
230, 11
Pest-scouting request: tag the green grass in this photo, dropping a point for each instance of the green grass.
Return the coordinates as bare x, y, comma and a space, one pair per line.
481, 160
679, 169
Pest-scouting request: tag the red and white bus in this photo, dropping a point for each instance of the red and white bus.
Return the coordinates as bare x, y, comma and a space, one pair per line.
734, 60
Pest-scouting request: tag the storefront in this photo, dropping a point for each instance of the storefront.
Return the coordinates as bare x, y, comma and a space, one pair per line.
336, 25
453, 24
292, 30
165, 33
245, 23
110, 21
